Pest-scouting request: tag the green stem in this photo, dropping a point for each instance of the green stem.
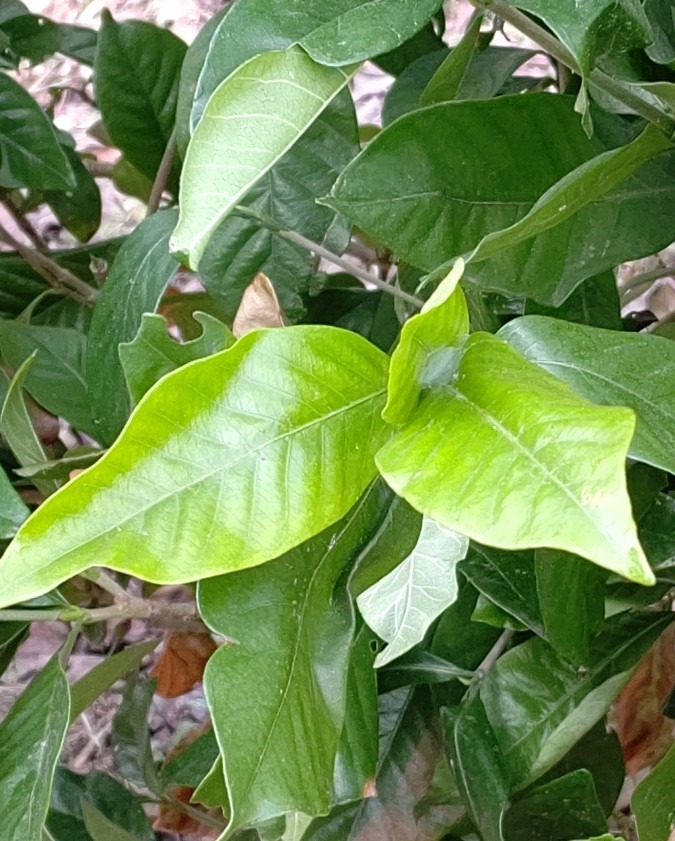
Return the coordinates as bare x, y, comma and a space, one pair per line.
129, 608
106, 582
494, 653
162, 177
360, 274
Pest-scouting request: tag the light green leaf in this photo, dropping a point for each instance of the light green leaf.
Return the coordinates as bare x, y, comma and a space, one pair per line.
554, 464
540, 705
279, 736
608, 367
444, 85
242, 134
30, 153
153, 353
652, 800
31, 738
402, 605
13, 510
442, 324
137, 279
227, 463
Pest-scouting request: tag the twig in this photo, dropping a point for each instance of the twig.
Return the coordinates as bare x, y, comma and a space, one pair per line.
367, 278
196, 814
162, 176
494, 653
99, 169
106, 582
56, 276
25, 225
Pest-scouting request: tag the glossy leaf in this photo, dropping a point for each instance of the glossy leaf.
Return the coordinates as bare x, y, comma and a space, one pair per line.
652, 800
13, 510
241, 136
549, 452
506, 579
443, 209
540, 705
284, 450
130, 736
402, 605
272, 732
31, 738
153, 353
478, 765
595, 302
135, 284
442, 324
557, 811
608, 367
571, 594
30, 153
136, 75
56, 377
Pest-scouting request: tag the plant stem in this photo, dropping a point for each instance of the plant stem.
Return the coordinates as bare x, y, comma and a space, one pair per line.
56, 276
106, 582
494, 654
360, 274
25, 225
162, 176
130, 608
196, 814
560, 53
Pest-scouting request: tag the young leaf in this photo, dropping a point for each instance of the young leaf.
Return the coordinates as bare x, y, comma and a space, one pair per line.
442, 324
153, 353
540, 705
226, 463
30, 153
136, 76
652, 800
402, 605
31, 738
271, 732
608, 367
242, 135
135, 284
554, 464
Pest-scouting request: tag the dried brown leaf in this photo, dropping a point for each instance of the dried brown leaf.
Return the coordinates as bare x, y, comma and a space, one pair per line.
259, 307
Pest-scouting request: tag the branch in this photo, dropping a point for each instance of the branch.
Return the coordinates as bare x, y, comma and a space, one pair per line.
494, 654
25, 225
162, 176
360, 274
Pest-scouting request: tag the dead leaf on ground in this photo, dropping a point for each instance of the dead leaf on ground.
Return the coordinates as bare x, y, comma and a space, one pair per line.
182, 662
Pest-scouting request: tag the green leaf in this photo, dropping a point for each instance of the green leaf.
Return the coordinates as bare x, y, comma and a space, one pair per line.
443, 210
444, 85
100, 828
478, 766
136, 75
443, 323
662, 48
271, 732
35, 37
13, 510
30, 153
241, 136
153, 353
546, 492
60, 468
78, 209
190, 765
104, 674
402, 605
652, 800
591, 30
557, 811
135, 284
594, 302
540, 705
572, 599
242, 246
56, 377
17, 428
31, 738
427, 40
284, 448
130, 736
507, 579
608, 368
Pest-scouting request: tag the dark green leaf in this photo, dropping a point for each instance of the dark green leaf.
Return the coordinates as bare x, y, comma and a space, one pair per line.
490, 613
30, 153
419, 666
35, 37
609, 368
153, 353
12, 634
427, 40
130, 736
444, 85
136, 76
271, 732
652, 800
31, 738
135, 284
189, 765
540, 705
557, 811
60, 468
478, 765
100, 828
13, 510
78, 209
572, 599
660, 15
595, 302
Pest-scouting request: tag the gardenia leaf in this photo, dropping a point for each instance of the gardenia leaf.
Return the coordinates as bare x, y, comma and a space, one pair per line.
512, 458
225, 463
242, 134
652, 800
610, 368
402, 605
